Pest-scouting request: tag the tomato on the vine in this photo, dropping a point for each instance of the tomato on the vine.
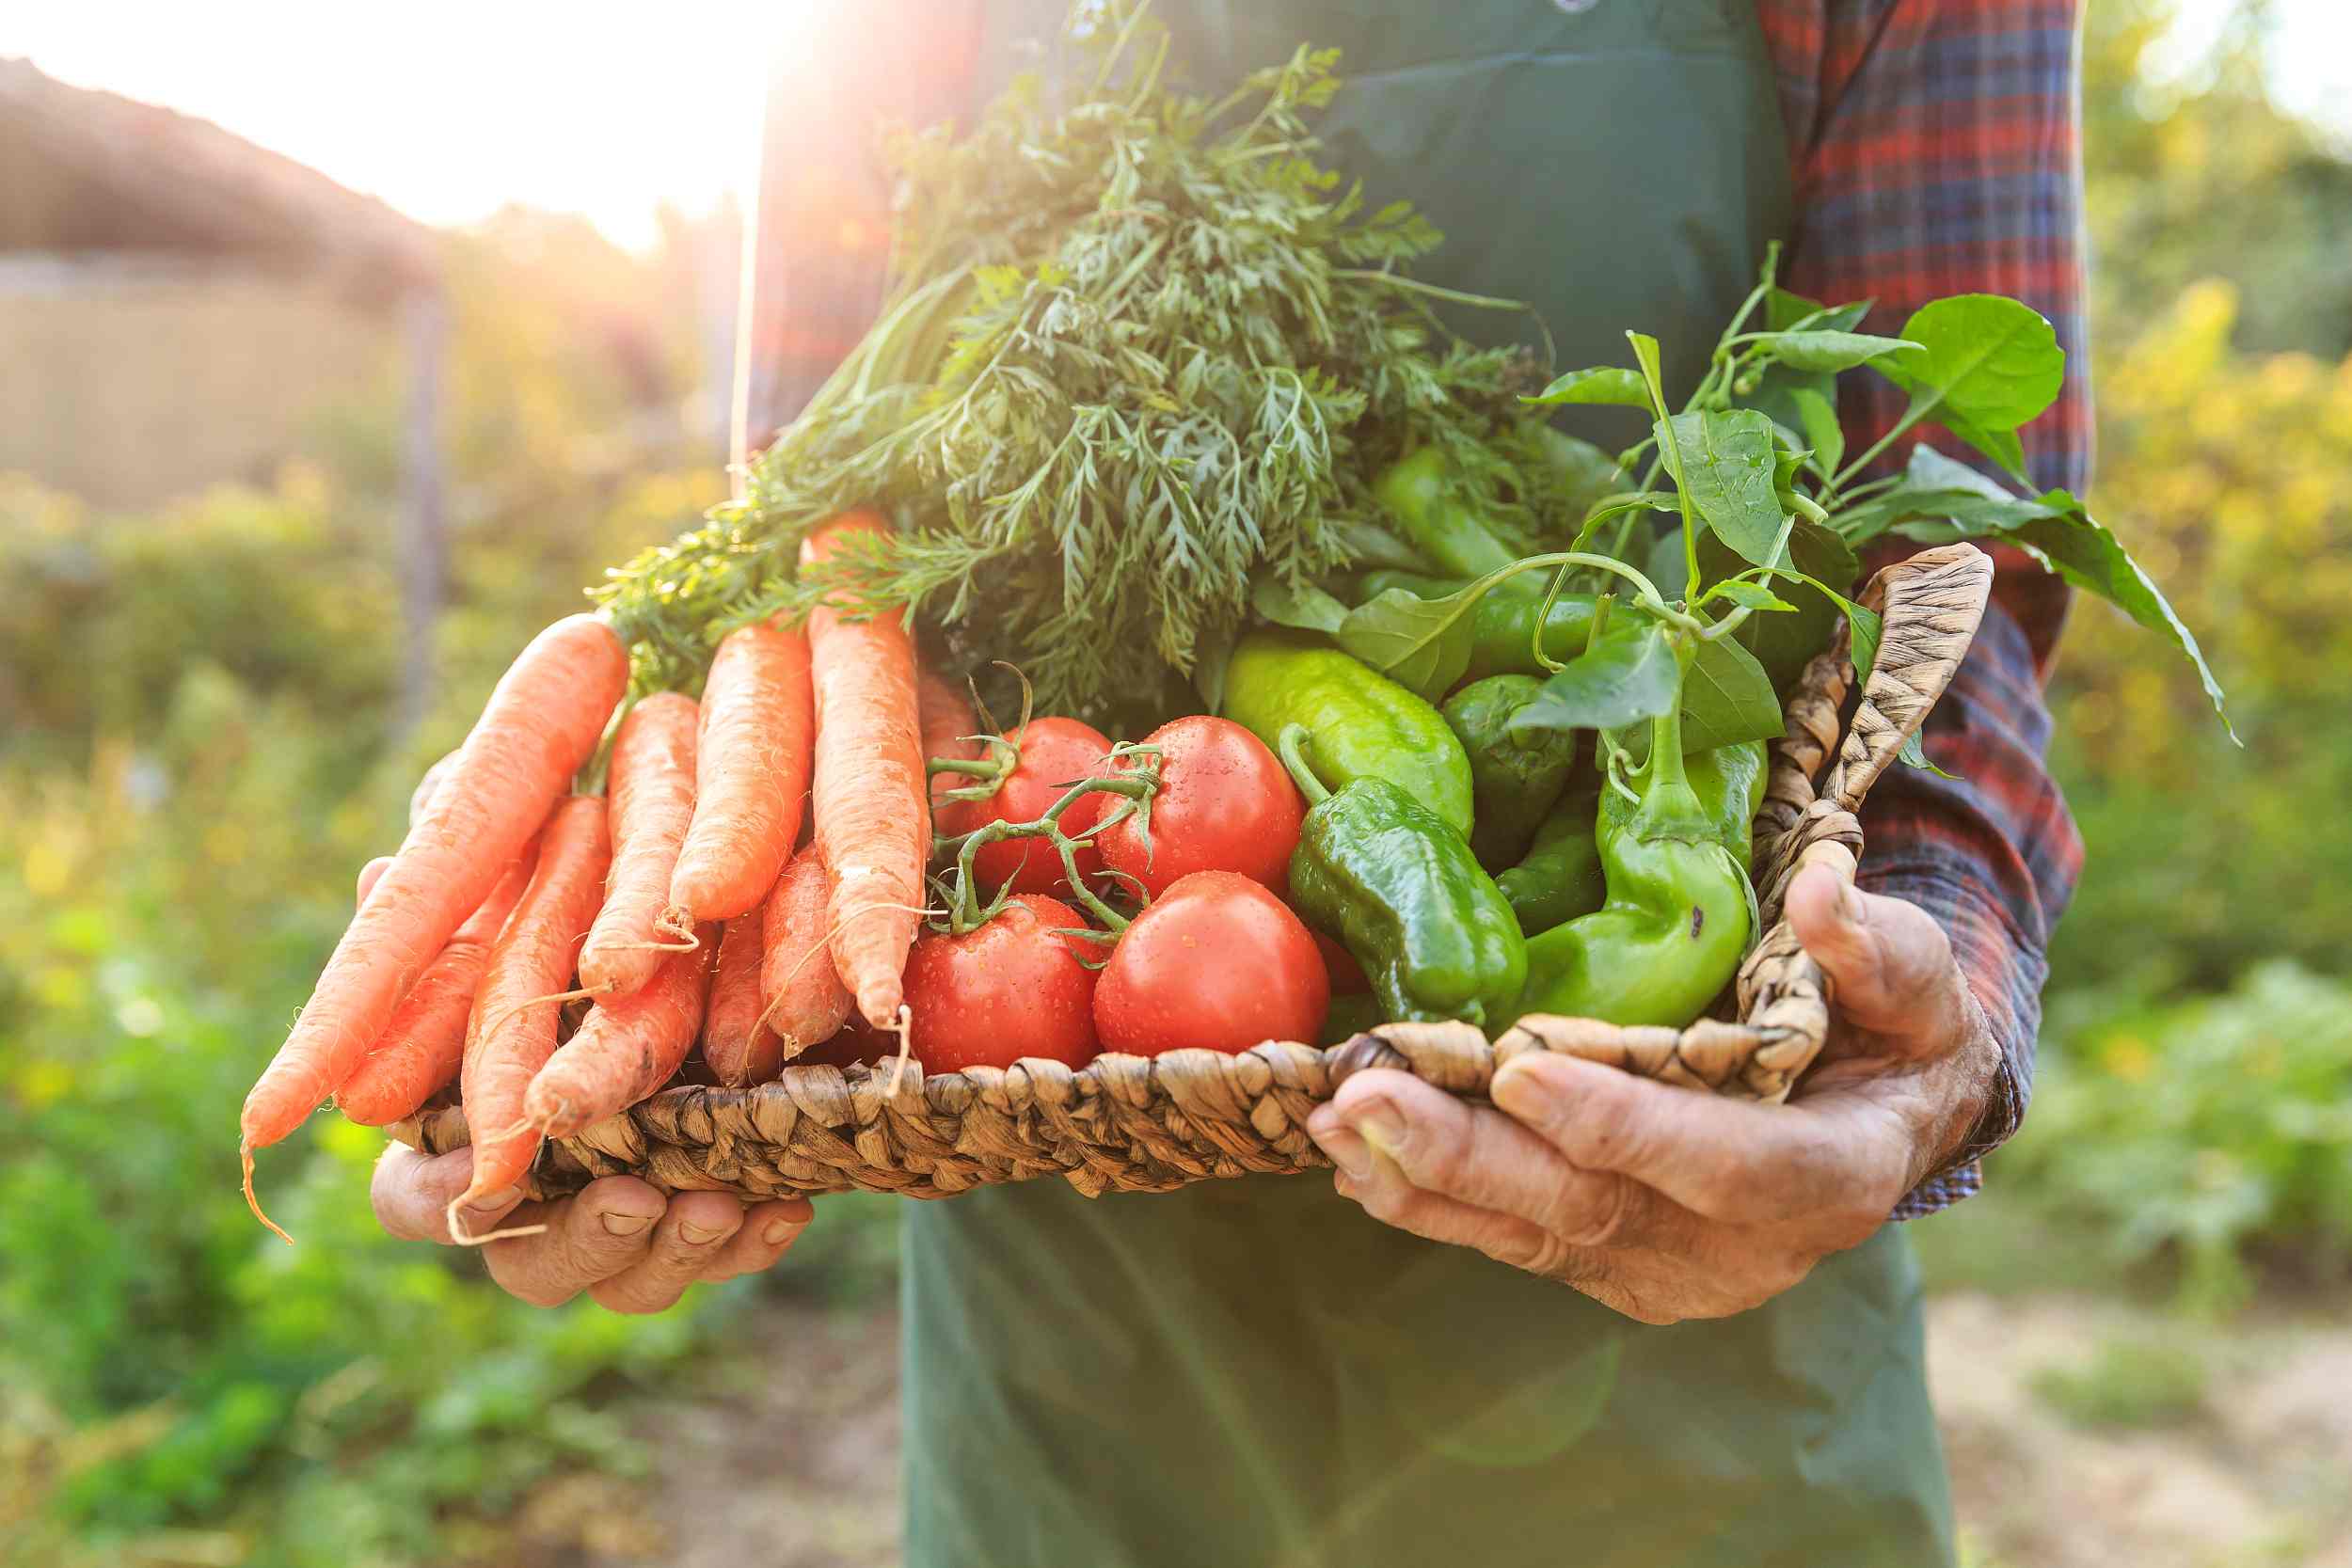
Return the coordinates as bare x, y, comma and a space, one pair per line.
1215, 961
1054, 753
1225, 803
1011, 988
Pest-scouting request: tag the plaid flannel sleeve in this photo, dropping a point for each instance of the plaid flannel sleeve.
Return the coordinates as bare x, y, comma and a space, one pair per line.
1936, 147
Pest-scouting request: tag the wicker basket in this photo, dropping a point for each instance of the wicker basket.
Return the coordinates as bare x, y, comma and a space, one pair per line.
1149, 1124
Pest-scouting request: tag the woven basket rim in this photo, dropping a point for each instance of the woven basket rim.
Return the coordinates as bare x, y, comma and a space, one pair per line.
1149, 1124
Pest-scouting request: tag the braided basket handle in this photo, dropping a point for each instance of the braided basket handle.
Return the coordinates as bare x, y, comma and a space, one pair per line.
1931, 603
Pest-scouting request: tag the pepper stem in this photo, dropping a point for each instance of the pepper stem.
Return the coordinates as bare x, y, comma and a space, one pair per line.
1292, 743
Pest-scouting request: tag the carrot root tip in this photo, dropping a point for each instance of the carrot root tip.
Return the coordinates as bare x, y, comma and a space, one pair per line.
459, 1234
903, 1026
244, 1158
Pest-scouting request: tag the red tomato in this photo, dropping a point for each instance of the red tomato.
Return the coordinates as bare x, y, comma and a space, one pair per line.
1012, 989
1215, 961
1055, 752
1225, 803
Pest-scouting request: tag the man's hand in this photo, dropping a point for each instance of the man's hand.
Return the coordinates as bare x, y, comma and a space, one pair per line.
618, 1239
1667, 1204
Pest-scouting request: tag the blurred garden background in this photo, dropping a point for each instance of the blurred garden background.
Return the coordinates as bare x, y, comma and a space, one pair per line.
209, 718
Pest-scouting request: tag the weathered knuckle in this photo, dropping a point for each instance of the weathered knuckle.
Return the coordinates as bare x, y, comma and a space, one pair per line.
533, 1287
1601, 1216
1538, 1252
629, 1300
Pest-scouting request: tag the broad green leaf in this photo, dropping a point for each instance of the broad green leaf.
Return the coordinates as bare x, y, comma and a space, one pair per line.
1864, 627
1749, 596
1606, 515
1784, 312
1369, 545
1421, 643
1300, 605
1732, 462
1827, 353
1988, 365
1585, 474
1817, 416
2002, 446
1727, 698
1608, 383
1939, 487
2083, 552
1932, 469
1629, 676
1822, 572
1668, 567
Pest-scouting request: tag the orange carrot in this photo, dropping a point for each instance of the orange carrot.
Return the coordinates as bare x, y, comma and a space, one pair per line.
750, 769
801, 994
649, 797
511, 1032
544, 720
736, 1041
627, 1047
427, 1040
873, 822
946, 714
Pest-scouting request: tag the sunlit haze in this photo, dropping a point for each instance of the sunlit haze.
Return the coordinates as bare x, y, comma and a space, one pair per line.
446, 110
449, 110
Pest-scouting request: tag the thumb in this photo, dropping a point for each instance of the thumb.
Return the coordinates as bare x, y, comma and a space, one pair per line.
1889, 965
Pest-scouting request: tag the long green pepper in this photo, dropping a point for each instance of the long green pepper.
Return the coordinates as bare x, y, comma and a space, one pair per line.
1676, 922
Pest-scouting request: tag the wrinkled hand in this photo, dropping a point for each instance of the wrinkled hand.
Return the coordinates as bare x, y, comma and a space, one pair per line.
617, 1239
630, 1248
1667, 1204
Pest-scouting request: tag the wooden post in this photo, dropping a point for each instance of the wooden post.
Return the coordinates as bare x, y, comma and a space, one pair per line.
425, 544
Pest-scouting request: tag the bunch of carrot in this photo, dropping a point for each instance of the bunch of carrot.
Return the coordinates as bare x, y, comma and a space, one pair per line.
682, 902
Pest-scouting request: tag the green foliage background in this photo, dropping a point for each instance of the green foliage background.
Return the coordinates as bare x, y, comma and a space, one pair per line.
193, 713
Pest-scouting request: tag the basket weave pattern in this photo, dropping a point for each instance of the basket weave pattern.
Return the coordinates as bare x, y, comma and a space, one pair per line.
1150, 1124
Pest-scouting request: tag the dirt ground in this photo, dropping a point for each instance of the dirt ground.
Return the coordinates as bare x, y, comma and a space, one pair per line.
2082, 1433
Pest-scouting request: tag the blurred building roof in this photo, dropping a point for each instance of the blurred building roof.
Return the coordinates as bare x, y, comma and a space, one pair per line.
84, 172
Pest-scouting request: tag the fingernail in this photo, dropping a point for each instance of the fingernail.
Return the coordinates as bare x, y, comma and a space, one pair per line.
698, 1235
498, 1202
1347, 1152
1510, 1091
619, 1222
779, 1232
1378, 1126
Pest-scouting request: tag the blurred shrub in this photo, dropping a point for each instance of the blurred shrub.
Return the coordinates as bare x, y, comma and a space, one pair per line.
2230, 476
2128, 1384
2207, 1132
274, 588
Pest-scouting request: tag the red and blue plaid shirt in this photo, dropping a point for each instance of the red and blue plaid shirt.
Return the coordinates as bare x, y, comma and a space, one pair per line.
1936, 151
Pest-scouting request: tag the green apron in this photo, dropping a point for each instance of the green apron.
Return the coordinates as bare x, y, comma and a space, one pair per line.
1255, 1371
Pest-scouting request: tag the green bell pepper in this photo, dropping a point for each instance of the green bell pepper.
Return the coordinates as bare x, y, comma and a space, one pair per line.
1561, 876
1400, 890
1363, 724
1729, 782
1516, 777
1420, 490
1678, 918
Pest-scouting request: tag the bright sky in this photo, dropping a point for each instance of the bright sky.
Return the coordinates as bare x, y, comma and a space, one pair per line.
449, 108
